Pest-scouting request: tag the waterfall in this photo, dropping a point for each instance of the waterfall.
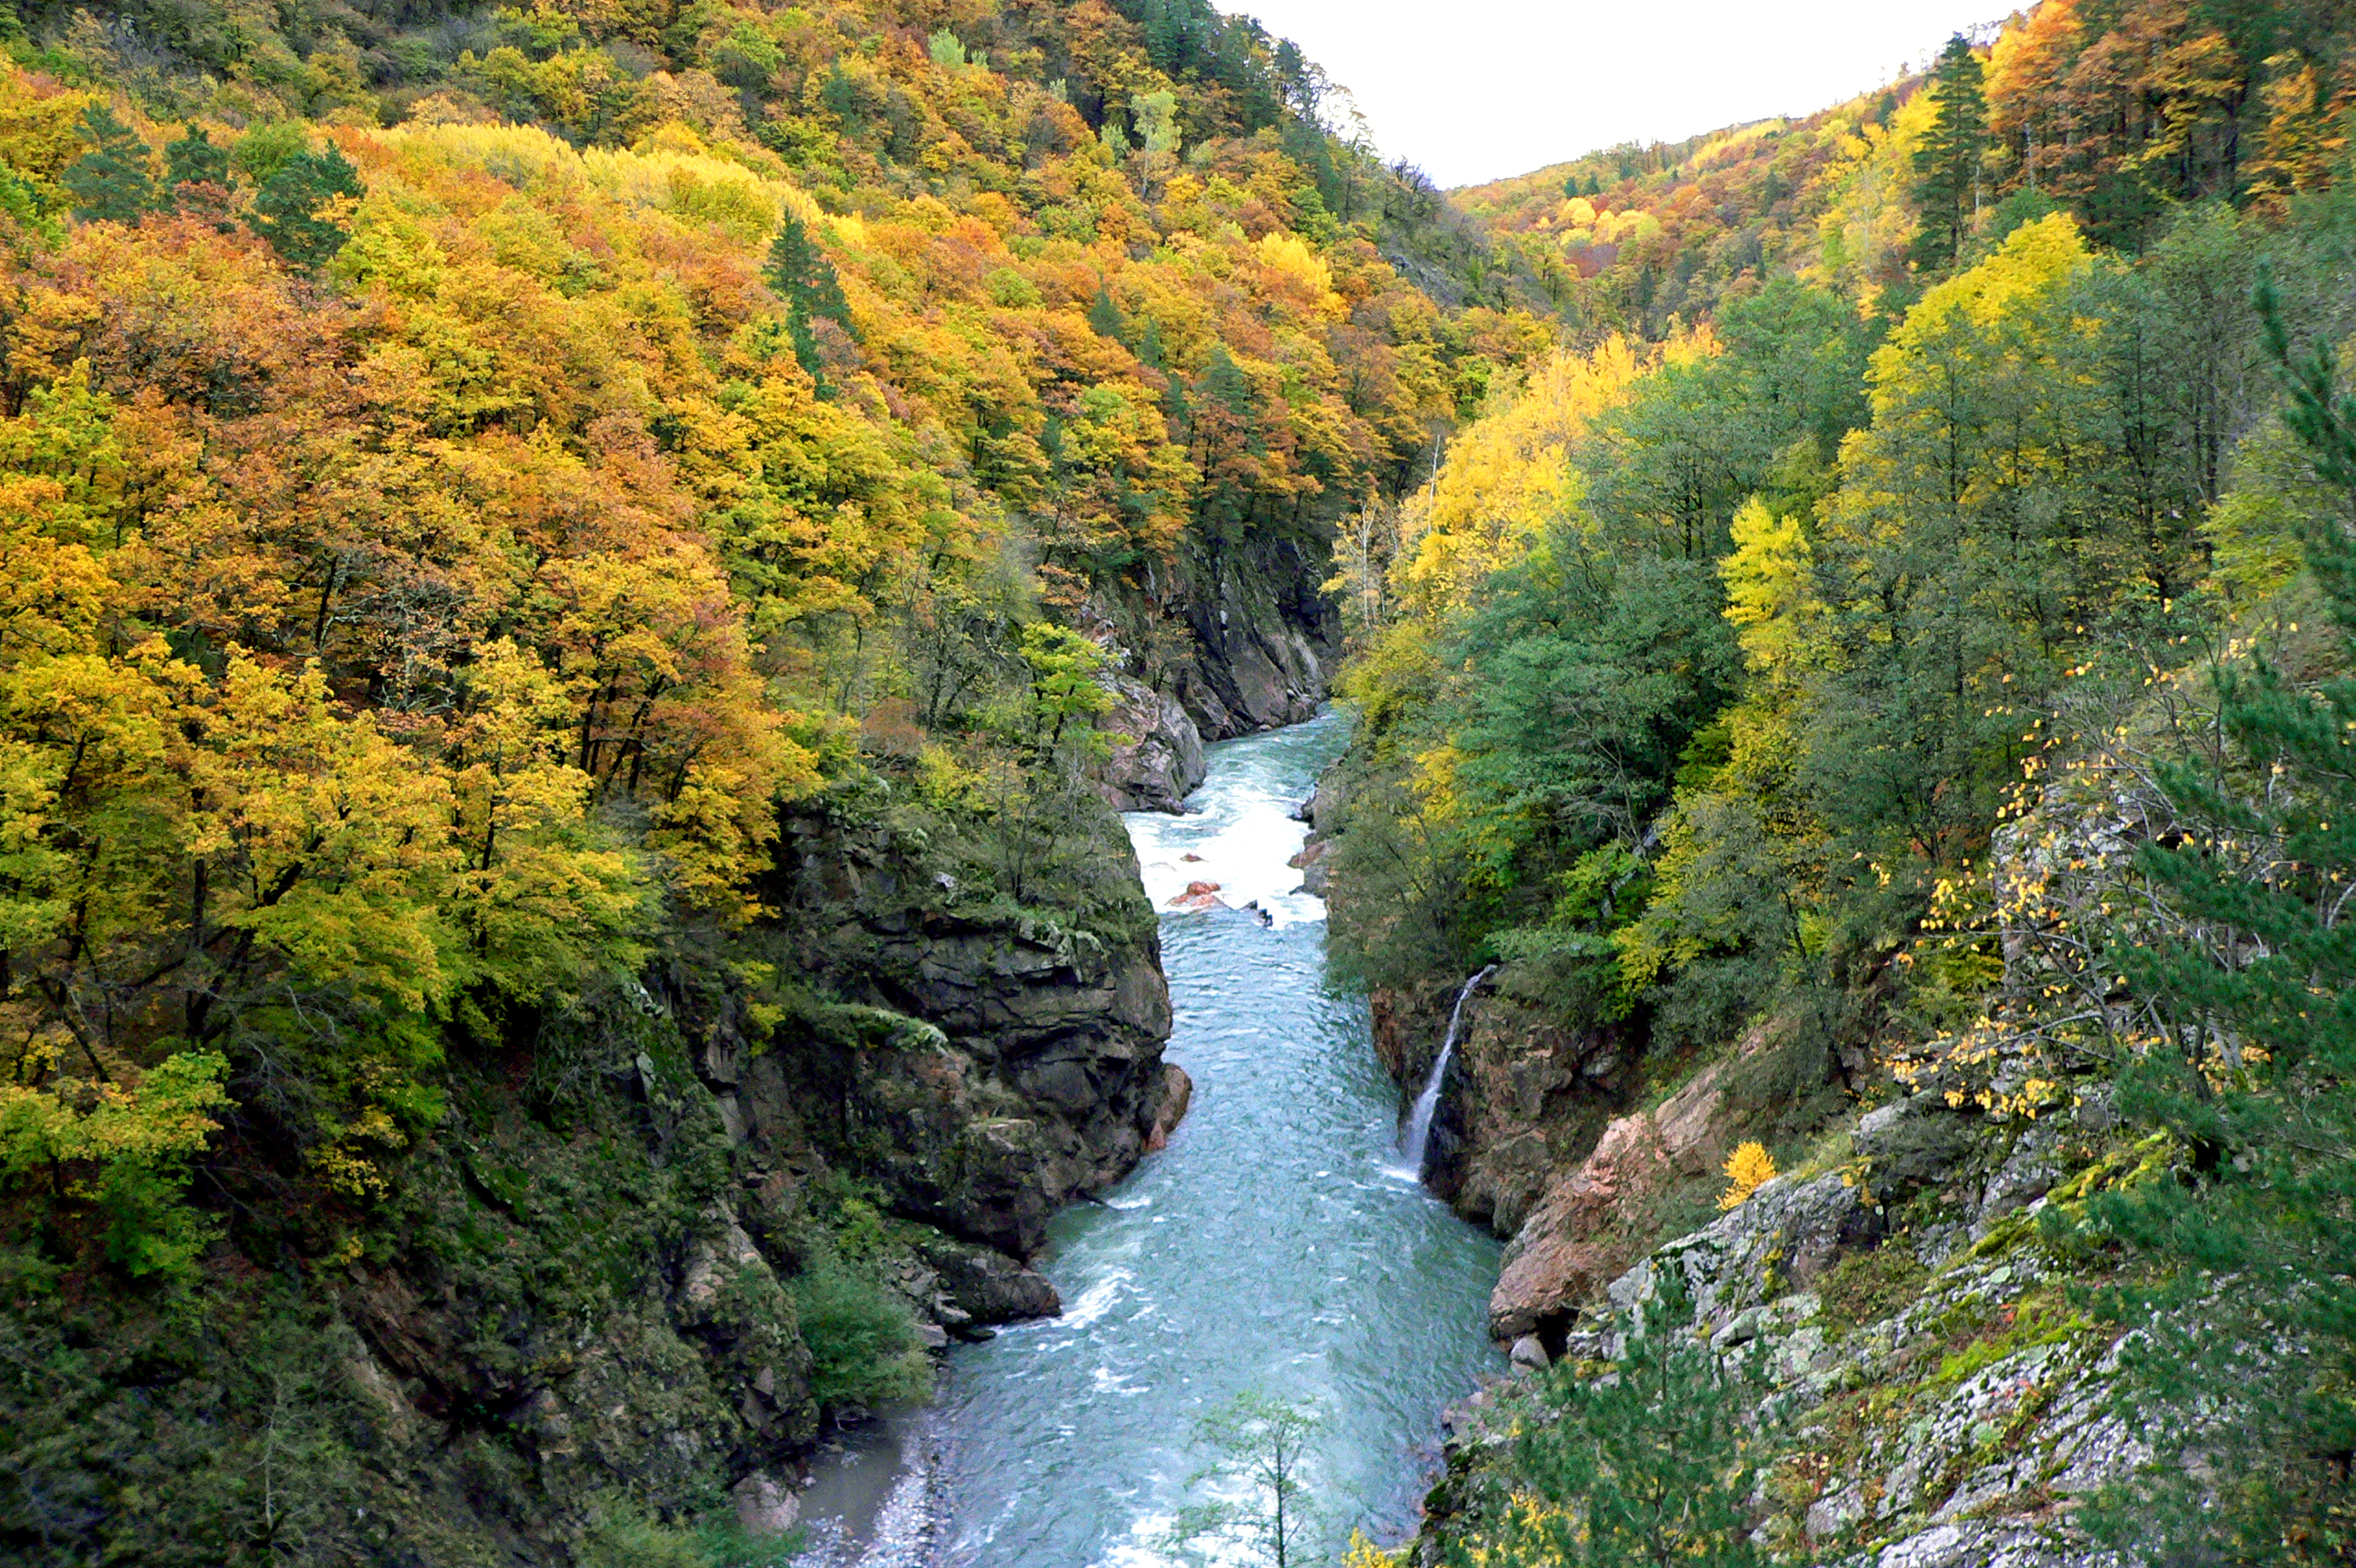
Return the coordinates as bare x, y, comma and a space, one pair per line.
1427, 1104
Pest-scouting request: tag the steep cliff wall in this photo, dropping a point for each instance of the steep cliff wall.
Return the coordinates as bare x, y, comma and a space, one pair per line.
597, 1313
1525, 1097
984, 1062
1239, 637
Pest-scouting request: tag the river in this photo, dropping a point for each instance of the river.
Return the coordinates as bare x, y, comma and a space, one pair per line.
1277, 1245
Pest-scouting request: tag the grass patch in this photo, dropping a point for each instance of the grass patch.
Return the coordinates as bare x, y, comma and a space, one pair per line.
2033, 1321
622, 1535
1868, 1286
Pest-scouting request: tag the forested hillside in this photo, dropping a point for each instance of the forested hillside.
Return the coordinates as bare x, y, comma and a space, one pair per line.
577, 580
1895, 659
2123, 112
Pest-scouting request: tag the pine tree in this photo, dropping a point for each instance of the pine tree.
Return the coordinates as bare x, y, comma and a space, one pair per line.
111, 182
195, 159
287, 210
1652, 1464
799, 274
197, 178
1104, 315
2255, 1075
1947, 164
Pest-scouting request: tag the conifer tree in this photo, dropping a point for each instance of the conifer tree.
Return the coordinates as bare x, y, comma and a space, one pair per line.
196, 159
798, 273
287, 211
1104, 315
112, 181
1652, 1464
1947, 164
2254, 1075
196, 178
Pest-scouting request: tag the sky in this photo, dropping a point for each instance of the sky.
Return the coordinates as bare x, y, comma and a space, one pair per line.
1477, 90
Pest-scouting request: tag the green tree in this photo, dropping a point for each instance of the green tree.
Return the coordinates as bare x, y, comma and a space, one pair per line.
196, 159
20, 202
799, 274
1064, 688
263, 151
111, 182
2253, 1072
1104, 315
1652, 1464
1947, 163
1260, 1448
295, 210
1959, 562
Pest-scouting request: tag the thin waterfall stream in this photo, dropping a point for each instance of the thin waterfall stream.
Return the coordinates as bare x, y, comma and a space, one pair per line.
1279, 1244
1415, 1145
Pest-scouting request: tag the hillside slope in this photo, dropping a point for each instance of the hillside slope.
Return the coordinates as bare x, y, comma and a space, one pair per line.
2119, 110
1868, 709
580, 581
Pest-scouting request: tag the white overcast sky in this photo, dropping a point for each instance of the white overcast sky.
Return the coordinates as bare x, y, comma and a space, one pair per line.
1476, 89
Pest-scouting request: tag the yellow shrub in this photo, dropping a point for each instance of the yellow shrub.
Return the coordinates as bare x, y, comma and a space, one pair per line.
1747, 1168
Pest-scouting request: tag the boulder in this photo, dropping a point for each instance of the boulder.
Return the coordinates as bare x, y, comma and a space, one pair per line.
765, 1506
1785, 1235
1570, 1243
987, 1285
1311, 864
1156, 755
1199, 896
1177, 1094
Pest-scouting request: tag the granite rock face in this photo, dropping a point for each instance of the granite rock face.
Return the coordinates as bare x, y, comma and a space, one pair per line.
1157, 754
1575, 1239
1937, 1402
1235, 636
1262, 636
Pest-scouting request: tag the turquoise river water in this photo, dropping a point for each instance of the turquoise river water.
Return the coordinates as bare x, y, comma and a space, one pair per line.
1276, 1246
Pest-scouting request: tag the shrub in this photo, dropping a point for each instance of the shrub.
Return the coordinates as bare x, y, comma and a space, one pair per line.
862, 1339
1747, 1168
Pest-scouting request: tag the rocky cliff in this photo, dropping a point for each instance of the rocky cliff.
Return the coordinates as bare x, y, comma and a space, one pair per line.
983, 1062
1936, 1396
1525, 1097
1236, 638
598, 1313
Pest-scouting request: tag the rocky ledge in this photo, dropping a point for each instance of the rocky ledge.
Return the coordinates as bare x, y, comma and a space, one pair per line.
1936, 1399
